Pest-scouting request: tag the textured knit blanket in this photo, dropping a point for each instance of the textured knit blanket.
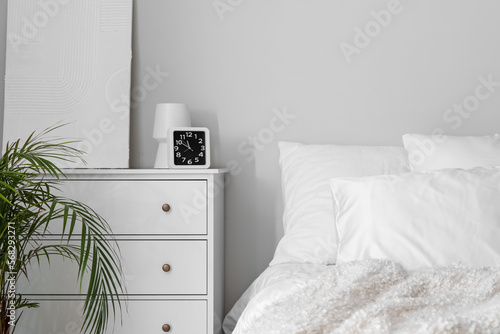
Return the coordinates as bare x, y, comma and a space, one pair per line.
379, 296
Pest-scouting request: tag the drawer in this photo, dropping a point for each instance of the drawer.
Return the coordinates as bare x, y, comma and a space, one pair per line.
136, 207
143, 316
142, 263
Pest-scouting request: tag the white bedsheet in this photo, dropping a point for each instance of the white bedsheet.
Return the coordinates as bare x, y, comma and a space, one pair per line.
275, 281
373, 296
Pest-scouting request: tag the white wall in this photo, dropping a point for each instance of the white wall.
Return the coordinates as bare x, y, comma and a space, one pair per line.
269, 55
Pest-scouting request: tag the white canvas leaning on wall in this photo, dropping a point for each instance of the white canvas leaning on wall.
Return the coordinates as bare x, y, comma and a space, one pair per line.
69, 61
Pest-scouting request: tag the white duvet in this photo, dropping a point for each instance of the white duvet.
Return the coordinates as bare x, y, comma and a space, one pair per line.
373, 296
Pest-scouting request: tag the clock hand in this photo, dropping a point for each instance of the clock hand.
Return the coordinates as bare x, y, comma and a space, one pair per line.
188, 147
184, 145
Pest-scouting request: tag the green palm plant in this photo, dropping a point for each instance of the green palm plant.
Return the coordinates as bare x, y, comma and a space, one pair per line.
29, 202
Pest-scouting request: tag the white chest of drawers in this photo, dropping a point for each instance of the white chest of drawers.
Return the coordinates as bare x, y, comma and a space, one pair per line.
169, 227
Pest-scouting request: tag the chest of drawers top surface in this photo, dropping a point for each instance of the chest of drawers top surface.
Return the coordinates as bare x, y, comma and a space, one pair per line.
141, 173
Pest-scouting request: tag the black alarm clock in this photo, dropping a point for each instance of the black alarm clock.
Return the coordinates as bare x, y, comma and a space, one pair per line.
189, 147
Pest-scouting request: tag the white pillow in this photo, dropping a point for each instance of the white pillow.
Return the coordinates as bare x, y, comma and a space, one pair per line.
440, 151
306, 170
420, 219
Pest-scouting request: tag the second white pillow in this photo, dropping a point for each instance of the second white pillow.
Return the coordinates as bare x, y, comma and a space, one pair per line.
420, 219
439, 152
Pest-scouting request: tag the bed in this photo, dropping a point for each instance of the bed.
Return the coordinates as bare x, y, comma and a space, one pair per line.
383, 239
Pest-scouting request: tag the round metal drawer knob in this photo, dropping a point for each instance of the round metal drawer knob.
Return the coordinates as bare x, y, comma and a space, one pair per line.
165, 207
166, 328
166, 268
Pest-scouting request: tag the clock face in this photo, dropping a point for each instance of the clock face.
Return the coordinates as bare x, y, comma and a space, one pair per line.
190, 148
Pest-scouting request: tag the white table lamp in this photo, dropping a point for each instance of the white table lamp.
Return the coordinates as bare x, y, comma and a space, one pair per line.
168, 115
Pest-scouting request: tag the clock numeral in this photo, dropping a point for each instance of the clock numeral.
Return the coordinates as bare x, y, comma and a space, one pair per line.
176, 148
200, 141
201, 154
182, 137
190, 162
202, 147
178, 142
189, 134
178, 154
196, 160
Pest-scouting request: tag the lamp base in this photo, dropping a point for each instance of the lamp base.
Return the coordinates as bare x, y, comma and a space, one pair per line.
162, 155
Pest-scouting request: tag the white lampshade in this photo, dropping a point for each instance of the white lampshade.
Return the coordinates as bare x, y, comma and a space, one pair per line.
168, 115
